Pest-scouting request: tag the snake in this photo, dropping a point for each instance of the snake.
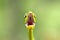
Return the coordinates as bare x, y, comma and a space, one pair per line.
30, 20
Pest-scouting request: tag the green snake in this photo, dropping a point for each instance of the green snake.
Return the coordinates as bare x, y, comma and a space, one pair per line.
30, 20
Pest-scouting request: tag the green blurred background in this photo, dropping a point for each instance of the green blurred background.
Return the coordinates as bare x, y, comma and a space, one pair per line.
12, 19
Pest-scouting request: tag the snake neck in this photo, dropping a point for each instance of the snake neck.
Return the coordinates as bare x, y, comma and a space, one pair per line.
31, 37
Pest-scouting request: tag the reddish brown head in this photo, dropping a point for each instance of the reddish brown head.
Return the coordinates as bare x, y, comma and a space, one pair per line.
29, 19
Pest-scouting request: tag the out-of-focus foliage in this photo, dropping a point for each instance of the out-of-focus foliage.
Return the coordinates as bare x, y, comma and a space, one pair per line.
12, 19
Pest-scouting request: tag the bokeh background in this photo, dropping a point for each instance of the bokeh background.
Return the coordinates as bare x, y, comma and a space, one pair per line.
12, 19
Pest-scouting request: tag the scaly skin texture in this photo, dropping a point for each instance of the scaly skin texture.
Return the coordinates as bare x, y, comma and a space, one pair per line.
30, 20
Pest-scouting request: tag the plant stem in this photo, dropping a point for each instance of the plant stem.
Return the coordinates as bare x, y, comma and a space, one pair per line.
31, 34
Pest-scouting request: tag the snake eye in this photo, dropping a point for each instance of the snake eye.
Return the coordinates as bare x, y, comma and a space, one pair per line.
25, 16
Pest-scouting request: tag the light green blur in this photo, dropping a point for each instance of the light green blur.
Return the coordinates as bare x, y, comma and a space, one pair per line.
12, 25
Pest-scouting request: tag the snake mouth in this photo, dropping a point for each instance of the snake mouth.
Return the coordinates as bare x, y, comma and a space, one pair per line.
28, 25
30, 21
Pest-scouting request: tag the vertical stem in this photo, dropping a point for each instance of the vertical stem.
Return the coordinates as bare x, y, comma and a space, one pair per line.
31, 34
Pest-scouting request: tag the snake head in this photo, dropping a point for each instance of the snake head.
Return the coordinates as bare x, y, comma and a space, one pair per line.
30, 19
